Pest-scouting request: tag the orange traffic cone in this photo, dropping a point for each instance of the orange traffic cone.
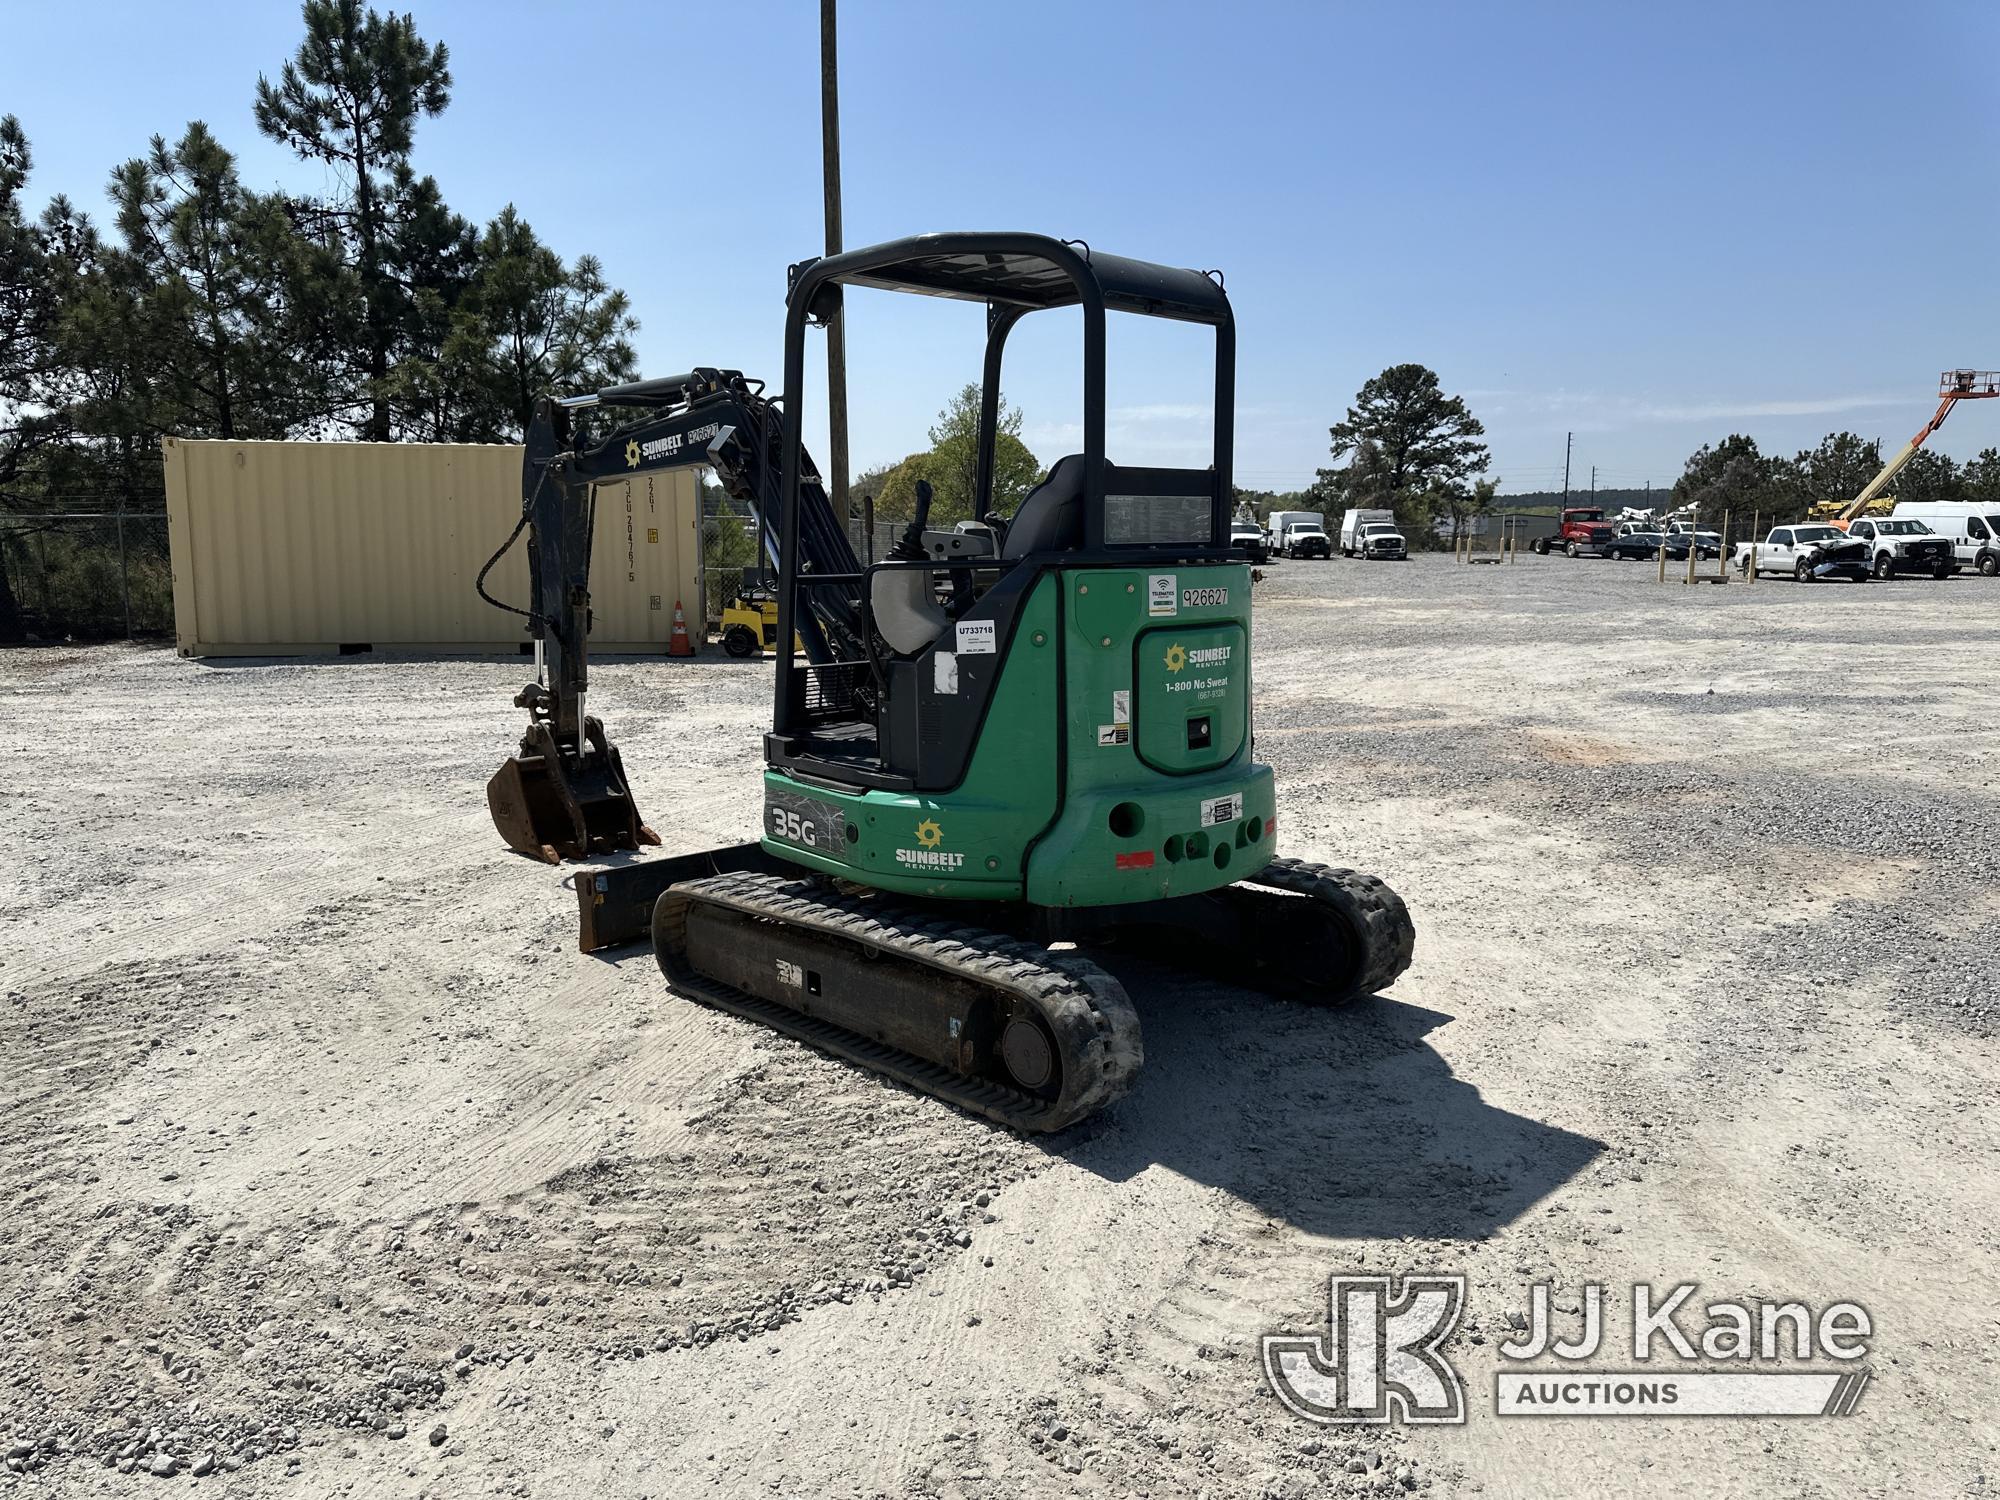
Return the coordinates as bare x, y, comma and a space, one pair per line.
678, 643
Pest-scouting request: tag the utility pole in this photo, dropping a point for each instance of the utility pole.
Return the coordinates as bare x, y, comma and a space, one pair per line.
1593, 484
1569, 442
836, 334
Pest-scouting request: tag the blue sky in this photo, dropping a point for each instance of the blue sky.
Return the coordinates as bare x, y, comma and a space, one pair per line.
1652, 225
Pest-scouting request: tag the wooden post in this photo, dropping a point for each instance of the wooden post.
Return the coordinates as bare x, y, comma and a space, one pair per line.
1694, 526
1722, 553
1756, 527
124, 571
1663, 552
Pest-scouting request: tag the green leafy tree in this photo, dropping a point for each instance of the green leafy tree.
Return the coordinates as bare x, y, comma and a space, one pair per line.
1453, 506
28, 316
350, 98
1835, 470
1732, 474
952, 466
554, 326
1980, 478
209, 267
1404, 441
1926, 478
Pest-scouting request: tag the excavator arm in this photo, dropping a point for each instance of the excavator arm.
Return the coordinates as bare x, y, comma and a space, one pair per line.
564, 795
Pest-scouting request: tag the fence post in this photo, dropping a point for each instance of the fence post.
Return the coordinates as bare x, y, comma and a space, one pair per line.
124, 573
1756, 525
1694, 549
1722, 552
1663, 556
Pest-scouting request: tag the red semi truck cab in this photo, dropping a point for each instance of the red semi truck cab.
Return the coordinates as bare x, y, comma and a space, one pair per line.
1583, 529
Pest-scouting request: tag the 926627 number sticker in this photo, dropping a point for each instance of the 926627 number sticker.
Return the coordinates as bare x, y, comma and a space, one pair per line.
1194, 598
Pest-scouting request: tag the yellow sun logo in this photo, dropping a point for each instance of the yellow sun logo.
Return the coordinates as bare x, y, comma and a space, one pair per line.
1176, 657
929, 834
632, 454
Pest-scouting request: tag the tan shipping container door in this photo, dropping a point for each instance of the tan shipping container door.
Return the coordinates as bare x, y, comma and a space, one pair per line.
282, 547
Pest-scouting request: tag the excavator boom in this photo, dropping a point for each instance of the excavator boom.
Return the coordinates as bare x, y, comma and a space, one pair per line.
564, 796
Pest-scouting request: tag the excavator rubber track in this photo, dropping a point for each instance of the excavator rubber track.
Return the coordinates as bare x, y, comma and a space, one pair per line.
988, 1022
1298, 931
1360, 908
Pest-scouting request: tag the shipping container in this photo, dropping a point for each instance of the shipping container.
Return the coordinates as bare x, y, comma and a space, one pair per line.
281, 548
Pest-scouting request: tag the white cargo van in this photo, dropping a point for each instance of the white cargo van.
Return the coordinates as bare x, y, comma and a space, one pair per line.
1973, 528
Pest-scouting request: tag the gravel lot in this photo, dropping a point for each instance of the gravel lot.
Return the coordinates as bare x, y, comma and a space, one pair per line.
331, 1167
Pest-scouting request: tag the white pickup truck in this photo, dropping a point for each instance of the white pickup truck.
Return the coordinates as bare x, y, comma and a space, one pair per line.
1807, 552
1902, 544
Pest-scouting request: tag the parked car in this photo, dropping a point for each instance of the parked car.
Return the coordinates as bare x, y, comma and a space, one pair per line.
1809, 551
1902, 544
1973, 529
1644, 546
1248, 536
1709, 542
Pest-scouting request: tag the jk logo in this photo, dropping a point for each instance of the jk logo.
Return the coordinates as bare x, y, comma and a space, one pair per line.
1382, 1363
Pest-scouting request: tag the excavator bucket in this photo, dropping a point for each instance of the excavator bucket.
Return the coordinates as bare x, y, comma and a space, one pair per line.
551, 807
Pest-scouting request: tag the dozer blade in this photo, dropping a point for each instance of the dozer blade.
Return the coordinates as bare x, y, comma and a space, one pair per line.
551, 807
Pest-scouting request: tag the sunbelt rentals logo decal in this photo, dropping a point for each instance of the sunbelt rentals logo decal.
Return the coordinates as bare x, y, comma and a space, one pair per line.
930, 853
1179, 658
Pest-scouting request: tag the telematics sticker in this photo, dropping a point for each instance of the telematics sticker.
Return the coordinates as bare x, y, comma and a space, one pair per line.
1163, 594
1221, 810
975, 638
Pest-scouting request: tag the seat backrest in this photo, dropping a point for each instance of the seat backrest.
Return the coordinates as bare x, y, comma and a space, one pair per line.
1050, 518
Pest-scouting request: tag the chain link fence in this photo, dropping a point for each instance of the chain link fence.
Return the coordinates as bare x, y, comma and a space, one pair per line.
86, 569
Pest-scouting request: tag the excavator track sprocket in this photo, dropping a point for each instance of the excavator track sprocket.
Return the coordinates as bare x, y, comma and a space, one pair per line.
988, 1022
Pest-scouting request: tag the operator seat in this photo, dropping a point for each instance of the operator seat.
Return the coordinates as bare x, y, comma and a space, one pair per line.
1050, 517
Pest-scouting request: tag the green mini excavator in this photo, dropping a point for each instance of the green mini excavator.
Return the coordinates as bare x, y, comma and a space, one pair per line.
989, 752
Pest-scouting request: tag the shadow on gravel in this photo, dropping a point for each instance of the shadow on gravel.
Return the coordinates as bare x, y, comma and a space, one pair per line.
1341, 1122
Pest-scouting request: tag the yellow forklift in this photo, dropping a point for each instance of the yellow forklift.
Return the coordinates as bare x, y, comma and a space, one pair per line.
750, 623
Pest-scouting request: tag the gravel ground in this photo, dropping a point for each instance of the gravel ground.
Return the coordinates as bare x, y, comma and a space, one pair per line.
331, 1167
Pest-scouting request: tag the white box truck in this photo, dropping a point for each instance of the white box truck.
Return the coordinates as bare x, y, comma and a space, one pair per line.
1372, 534
1299, 533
